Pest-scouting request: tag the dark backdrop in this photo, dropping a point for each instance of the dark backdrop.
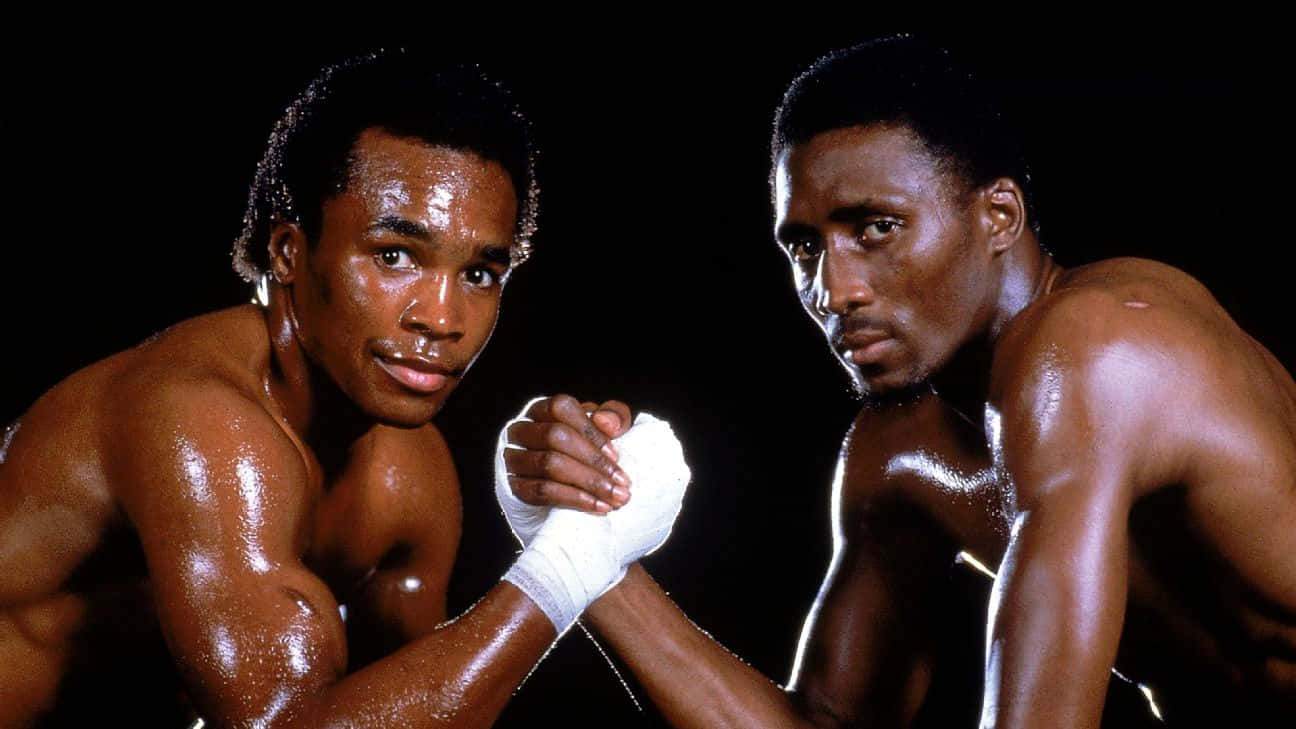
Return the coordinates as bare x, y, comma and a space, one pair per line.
655, 279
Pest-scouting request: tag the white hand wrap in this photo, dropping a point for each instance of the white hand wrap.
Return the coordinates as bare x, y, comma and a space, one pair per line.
523, 518
571, 558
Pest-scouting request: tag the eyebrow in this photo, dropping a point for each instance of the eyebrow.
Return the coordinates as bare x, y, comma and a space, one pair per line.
402, 226
495, 253
492, 252
845, 214
851, 213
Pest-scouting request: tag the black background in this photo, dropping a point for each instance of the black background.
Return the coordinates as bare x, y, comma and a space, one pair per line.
655, 279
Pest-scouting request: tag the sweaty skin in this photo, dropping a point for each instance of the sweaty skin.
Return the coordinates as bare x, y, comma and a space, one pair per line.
180, 522
1106, 435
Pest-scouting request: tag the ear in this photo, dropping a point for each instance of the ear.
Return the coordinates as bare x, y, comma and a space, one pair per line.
1003, 213
287, 242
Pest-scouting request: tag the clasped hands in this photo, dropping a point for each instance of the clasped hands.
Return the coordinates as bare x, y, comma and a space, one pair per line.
585, 457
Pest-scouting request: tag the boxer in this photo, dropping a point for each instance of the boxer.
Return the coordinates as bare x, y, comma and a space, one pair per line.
1104, 439
251, 517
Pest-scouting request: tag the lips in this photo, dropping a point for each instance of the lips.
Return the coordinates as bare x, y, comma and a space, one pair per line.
863, 345
421, 374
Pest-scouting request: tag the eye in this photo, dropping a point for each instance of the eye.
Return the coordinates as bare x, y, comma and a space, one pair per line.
875, 231
394, 258
481, 277
804, 250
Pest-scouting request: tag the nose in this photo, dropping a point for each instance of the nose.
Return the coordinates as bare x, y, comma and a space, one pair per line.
435, 310
841, 281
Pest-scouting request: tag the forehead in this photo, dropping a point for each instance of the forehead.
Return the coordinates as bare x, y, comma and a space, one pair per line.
429, 183
842, 167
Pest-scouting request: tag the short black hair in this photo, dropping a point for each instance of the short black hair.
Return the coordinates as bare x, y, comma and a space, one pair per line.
308, 157
906, 81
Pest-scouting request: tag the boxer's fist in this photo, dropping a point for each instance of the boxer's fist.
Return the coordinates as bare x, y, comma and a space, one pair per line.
558, 452
653, 458
573, 557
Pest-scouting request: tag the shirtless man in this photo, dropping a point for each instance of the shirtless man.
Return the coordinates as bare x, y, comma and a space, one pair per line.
1106, 436
244, 517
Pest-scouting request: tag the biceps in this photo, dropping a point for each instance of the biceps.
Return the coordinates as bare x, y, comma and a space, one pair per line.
1056, 618
250, 646
1064, 577
404, 600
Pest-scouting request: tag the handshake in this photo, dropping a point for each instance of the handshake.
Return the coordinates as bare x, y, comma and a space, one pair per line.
571, 557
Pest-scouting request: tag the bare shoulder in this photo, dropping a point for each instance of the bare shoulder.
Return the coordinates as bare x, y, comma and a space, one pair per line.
1119, 300
68, 428
891, 457
416, 465
222, 348
123, 432
400, 491
877, 434
194, 393
1129, 357
1130, 327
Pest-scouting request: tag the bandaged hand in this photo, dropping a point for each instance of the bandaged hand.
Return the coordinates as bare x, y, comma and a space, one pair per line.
572, 557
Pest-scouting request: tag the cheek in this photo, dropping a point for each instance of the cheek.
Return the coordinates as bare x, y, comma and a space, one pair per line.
805, 291
484, 313
940, 292
366, 293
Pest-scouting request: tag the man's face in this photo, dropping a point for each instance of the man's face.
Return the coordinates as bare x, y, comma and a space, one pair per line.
885, 250
401, 291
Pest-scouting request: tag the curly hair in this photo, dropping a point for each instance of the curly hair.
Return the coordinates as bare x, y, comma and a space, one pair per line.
308, 156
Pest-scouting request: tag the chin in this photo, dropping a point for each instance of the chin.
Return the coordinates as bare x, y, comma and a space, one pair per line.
404, 421
877, 388
407, 412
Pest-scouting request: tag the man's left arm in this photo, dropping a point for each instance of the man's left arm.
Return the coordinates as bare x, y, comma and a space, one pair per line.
1073, 422
408, 526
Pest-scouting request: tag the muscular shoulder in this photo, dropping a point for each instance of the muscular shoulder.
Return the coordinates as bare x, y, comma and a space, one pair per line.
230, 347
186, 423
194, 429
1125, 329
410, 468
1114, 358
186, 375
906, 457
214, 351
400, 492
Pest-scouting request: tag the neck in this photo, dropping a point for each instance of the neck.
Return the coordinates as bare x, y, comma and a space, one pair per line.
1028, 274
313, 406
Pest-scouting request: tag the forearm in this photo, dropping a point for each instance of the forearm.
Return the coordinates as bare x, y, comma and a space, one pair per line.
692, 679
460, 675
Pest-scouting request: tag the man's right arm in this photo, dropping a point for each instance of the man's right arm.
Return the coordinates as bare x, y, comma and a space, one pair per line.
219, 497
864, 653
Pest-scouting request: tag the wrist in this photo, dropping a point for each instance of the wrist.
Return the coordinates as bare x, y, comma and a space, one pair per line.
620, 596
563, 572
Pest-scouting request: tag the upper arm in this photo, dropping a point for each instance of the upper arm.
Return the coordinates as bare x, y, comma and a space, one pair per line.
217, 493
1078, 425
1084, 398
865, 651
409, 526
